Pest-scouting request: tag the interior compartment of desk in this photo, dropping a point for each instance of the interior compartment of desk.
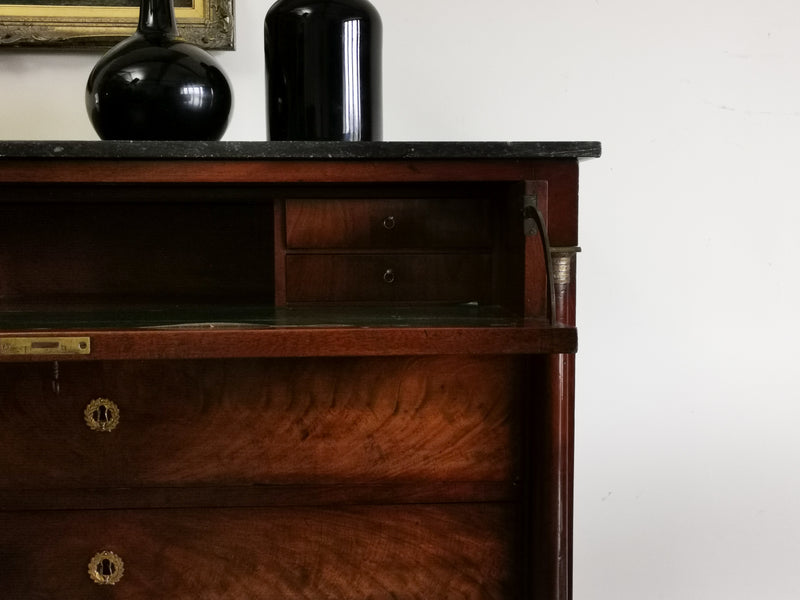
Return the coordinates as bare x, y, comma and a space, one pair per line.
137, 244
117, 250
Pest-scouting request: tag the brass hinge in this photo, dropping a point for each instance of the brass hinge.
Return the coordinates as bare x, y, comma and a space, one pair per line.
562, 258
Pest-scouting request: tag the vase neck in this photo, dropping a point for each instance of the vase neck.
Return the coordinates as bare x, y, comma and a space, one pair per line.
157, 16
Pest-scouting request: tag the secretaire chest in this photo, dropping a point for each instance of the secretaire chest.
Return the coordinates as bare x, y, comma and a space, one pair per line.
287, 370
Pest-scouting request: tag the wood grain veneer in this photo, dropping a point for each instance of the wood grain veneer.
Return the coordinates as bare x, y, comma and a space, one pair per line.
279, 421
381, 552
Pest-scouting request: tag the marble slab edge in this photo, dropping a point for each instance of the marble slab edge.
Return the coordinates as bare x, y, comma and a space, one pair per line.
192, 150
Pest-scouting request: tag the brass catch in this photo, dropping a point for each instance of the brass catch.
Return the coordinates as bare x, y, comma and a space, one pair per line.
44, 346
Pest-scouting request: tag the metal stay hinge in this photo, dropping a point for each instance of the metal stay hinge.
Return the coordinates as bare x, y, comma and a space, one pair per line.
530, 214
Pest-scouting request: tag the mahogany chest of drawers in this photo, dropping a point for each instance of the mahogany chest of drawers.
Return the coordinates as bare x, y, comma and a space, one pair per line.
287, 370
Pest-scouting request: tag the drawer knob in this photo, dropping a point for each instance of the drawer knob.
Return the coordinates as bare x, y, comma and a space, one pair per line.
101, 414
389, 276
106, 568
389, 223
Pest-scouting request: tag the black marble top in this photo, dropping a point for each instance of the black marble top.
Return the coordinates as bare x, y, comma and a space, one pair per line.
296, 150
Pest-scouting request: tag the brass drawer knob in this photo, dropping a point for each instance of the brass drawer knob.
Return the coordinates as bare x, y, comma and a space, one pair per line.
101, 415
389, 276
389, 223
106, 568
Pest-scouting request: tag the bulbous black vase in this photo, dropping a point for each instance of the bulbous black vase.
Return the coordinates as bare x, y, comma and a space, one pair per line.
153, 86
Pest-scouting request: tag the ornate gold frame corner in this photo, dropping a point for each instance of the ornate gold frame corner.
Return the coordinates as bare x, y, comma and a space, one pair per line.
208, 24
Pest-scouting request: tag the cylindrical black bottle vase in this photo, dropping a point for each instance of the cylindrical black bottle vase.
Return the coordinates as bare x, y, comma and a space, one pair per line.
323, 60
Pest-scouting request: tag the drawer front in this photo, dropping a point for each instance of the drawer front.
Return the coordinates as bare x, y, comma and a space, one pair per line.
270, 421
457, 278
448, 551
388, 223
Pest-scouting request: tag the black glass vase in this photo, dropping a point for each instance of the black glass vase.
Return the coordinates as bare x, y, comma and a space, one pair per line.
154, 86
323, 60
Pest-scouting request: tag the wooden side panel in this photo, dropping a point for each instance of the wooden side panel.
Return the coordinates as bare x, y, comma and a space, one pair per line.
562, 180
562, 177
548, 485
280, 421
390, 552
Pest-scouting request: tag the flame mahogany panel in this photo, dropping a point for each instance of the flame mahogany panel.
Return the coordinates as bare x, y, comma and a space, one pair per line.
262, 421
381, 552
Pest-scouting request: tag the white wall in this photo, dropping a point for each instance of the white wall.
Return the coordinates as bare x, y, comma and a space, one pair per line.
688, 459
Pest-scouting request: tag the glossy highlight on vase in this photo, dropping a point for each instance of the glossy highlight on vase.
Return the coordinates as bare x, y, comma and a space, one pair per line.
154, 86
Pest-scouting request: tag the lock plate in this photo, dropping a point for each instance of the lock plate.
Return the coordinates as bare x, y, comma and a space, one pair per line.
44, 346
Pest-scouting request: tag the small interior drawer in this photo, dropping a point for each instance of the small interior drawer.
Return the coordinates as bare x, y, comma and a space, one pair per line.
381, 552
453, 278
259, 421
388, 223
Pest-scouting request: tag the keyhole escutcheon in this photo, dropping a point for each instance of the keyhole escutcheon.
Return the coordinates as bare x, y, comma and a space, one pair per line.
101, 415
106, 568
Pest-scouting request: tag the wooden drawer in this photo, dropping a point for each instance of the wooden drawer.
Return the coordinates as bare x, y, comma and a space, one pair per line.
267, 421
457, 278
391, 552
388, 223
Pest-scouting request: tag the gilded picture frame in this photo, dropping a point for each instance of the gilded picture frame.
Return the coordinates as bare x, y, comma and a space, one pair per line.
102, 23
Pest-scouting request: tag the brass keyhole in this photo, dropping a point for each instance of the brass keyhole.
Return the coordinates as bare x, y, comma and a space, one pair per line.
106, 568
101, 415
